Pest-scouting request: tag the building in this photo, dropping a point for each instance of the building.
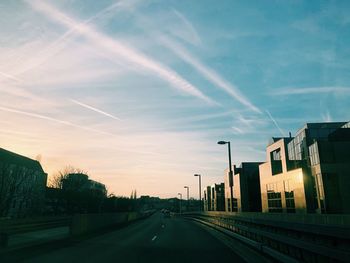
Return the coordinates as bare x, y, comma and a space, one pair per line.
329, 160
82, 195
81, 182
283, 188
22, 185
218, 197
308, 173
214, 197
207, 199
246, 187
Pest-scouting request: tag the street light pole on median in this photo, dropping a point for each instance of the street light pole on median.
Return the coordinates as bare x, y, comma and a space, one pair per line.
188, 196
180, 202
200, 192
230, 176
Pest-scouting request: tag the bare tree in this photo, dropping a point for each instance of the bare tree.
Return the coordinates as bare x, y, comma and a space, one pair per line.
56, 181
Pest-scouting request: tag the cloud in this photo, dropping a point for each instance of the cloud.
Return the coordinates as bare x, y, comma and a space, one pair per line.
95, 109
209, 73
119, 50
312, 90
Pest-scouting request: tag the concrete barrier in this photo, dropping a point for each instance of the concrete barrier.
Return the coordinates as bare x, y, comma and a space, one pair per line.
24, 232
88, 223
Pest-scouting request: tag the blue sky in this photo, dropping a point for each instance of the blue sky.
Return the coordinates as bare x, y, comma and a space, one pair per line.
138, 92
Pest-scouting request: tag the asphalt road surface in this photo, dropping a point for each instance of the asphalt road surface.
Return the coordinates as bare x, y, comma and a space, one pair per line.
155, 239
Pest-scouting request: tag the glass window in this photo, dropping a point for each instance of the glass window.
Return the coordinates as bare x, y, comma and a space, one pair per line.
289, 195
314, 155
273, 198
320, 191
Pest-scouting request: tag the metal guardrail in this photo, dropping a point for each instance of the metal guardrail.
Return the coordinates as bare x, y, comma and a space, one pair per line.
295, 238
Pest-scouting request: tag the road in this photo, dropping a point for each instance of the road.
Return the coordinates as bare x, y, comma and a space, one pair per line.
155, 239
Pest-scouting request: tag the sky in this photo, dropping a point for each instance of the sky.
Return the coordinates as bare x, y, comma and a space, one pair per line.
138, 92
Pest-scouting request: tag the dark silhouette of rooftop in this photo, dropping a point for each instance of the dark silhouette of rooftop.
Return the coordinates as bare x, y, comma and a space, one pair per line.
16, 159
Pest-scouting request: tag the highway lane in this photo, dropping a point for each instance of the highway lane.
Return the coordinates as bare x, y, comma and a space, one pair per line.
155, 239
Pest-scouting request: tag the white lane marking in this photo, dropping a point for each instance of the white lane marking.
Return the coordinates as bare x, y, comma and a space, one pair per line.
154, 238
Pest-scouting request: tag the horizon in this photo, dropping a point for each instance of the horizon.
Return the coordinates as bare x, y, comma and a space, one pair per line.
137, 93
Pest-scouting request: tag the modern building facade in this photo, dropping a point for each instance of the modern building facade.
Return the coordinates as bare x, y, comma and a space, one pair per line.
246, 185
308, 173
207, 199
22, 185
214, 198
218, 197
283, 188
329, 160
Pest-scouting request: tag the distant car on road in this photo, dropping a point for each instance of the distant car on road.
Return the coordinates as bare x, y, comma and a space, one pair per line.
166, 214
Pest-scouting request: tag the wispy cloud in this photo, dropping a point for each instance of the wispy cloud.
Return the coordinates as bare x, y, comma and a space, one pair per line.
208, 73
119, 50
95, 109
312, 90
275, 122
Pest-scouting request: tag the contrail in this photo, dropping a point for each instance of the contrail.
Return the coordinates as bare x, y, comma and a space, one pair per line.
122, 51
209, 74
274, 121
95, 109
312, 90
238, 130
39, 116
60, 42
195, 37
8, 76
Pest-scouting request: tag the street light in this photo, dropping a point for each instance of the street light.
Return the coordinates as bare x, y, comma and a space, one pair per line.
188, 196
230, 177
200, 191
180, 202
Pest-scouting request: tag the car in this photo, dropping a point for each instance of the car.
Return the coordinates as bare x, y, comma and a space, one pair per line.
167, 214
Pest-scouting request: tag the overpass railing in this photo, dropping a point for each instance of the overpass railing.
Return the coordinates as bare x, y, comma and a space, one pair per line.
287, 237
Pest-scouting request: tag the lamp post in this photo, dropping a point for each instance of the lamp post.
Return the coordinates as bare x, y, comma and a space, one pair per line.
230, 176
188, 196
200, 192
180, 202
